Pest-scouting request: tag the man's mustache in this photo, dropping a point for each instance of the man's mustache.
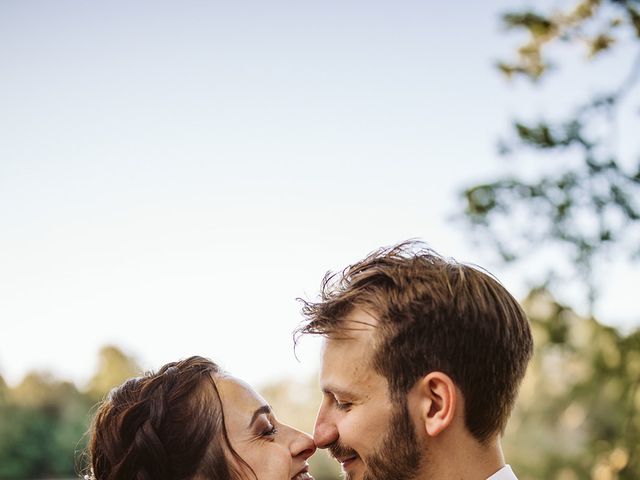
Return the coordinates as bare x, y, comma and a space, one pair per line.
337, 450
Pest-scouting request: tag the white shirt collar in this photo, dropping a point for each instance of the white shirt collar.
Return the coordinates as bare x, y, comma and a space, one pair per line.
505, 473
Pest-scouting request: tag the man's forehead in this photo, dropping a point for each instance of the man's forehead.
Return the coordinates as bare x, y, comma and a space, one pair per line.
352, 344
358, 323
347, 355
355, 333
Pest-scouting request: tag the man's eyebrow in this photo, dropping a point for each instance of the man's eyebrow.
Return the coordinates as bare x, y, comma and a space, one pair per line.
263, 409
331, 390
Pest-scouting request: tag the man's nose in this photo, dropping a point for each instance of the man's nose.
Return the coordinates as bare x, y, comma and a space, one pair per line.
325, 431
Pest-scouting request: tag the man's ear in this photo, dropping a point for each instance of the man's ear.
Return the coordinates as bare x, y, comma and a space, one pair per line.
437, 399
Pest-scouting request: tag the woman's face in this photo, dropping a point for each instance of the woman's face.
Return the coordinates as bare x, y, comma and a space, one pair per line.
273, 450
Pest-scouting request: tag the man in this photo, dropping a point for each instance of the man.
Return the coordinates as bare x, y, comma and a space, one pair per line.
421, 364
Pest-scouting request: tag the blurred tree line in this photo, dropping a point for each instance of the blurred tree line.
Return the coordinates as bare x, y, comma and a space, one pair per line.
43, 420
578, 415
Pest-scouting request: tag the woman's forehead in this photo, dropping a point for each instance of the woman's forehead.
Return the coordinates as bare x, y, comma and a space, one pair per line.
239, 400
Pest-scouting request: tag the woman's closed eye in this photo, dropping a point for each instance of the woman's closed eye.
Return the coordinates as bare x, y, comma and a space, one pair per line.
270, 431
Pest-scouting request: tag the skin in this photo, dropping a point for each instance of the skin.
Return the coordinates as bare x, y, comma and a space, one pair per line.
356, 409
273, 450
356, 413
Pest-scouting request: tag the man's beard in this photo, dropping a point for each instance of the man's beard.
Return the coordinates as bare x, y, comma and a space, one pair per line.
398, 457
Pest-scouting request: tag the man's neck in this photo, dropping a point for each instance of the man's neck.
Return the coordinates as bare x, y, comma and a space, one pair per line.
465, 460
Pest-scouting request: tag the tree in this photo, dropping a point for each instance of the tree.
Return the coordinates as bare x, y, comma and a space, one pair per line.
42, 421
114, 367
578, 414
4, 389
584, 195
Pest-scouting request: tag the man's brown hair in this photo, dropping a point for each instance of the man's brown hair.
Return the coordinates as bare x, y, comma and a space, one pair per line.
434, 314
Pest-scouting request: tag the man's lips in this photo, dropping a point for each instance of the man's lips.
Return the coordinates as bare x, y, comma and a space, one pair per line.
346, 461
343, 454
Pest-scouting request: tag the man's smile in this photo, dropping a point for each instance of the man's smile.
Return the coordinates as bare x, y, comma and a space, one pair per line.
347, 461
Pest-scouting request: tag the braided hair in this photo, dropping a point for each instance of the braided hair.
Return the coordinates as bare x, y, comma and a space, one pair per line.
167, 425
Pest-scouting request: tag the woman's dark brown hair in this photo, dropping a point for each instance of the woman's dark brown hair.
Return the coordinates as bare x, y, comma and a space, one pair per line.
167, 425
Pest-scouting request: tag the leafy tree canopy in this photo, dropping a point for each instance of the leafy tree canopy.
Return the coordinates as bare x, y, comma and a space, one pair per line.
578, 413
584, 196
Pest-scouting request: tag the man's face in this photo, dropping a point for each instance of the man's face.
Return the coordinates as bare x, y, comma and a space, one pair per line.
371, 438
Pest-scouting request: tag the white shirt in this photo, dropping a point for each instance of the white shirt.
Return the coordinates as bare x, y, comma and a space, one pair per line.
505, 473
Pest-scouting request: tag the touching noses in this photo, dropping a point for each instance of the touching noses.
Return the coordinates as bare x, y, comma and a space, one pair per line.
325, 431
302, 445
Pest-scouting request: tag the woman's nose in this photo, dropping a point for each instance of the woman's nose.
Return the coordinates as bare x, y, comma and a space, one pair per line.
302, 445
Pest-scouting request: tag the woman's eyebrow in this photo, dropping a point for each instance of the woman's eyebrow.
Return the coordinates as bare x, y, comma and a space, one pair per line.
263, 409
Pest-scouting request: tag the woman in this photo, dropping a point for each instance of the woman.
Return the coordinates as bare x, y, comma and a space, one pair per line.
192, 421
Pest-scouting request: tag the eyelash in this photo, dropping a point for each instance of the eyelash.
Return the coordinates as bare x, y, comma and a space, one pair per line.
270, 432
346, 406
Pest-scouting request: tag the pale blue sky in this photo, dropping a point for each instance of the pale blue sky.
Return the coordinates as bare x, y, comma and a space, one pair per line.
174, 174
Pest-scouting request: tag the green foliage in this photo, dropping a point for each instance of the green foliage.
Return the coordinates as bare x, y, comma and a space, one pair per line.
4, 391
578, 414
39, 434
43, 421
595, 24
583, 196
